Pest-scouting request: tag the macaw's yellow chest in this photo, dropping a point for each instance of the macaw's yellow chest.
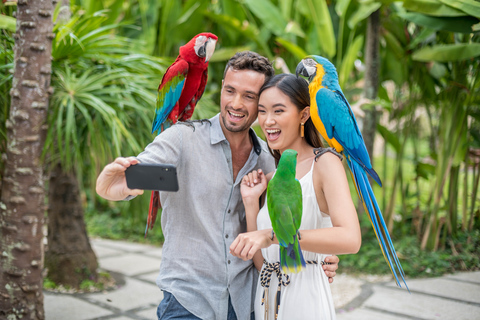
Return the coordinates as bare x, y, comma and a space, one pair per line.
314, 86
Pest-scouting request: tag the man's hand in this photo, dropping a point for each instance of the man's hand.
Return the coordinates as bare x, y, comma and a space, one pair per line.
330, 267
112, 184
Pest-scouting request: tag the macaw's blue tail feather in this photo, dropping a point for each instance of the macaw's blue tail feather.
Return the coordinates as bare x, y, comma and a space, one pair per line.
160, 127
374, 175
365, 192
291, 257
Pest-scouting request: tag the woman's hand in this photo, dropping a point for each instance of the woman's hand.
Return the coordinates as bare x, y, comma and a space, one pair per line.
253, 185
247, 244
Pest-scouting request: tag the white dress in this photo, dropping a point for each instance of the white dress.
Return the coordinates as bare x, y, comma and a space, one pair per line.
307, 295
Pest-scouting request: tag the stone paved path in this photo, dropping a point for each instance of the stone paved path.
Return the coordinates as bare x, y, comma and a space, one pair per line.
136, 267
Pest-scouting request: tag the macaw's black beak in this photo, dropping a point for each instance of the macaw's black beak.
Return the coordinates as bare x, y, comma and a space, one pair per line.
301, 70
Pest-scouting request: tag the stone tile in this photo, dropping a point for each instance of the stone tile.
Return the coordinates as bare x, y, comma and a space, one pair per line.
365, 314
154, 252
150, 277
473, 277
102, 251
420, 306
130, 264
150, 313
344, 289
134, 294
123, 245
63, 306
448, 288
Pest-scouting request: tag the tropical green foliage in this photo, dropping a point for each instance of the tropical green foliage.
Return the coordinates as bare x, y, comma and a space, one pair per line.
110, 56
435, 97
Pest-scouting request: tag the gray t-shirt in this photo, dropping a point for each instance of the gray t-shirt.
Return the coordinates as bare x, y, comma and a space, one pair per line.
202, 219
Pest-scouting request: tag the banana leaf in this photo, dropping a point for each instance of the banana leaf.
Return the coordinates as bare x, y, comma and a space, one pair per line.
470, 7
269, 14
292, 48
348, 61
224, 54
444, 53
433, 8
452, 24
320, 16
362, 13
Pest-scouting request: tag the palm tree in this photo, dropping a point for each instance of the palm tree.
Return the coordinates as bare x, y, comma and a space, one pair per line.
22, 197
100, 110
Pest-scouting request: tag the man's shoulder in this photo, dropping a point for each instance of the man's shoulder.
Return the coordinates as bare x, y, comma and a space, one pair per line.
193, 125
190, 127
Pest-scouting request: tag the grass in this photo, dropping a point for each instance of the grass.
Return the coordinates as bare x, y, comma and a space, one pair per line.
115, 220
104, 282
462, 254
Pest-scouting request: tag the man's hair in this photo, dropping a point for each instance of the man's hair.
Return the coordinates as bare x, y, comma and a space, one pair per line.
249, 60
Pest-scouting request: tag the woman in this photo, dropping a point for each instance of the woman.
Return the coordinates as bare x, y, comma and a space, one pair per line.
329, 219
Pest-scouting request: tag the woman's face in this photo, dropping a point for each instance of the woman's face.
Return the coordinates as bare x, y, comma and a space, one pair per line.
279, 119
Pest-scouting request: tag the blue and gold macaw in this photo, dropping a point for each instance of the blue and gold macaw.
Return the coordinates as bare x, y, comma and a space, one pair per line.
334, 119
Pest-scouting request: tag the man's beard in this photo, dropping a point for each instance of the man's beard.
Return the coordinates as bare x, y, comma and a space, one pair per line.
233, 128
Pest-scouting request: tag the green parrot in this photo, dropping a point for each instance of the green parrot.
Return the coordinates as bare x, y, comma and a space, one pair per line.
284, 198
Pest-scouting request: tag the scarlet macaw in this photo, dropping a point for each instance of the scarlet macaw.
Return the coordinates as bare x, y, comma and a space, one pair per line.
182, 86
284, 199
334, 119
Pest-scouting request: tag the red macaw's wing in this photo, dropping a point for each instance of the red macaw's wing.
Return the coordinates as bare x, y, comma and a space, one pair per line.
169, 93
188, 112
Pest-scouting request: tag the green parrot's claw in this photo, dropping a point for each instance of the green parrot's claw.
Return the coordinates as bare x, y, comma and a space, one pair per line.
319, 151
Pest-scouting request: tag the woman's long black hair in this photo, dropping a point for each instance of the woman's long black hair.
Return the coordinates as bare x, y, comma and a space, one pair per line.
296, 89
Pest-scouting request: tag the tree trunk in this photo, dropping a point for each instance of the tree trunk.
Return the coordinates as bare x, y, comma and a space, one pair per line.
372, 68
22, 205
69, 257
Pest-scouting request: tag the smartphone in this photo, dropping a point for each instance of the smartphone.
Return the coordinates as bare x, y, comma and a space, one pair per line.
147, 176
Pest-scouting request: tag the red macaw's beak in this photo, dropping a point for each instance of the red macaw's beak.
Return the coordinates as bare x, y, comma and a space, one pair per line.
204, 47
209, 48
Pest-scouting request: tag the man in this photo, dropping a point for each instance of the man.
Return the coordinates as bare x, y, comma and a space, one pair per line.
200, 279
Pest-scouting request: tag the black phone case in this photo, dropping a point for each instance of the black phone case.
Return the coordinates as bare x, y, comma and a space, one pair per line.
146, 176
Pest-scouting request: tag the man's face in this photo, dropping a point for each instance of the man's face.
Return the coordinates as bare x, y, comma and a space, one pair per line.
239, 99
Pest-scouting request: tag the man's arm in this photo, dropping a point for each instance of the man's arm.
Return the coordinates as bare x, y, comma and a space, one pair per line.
112, 184
330, 267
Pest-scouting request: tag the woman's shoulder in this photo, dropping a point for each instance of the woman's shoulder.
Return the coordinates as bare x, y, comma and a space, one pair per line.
327, 162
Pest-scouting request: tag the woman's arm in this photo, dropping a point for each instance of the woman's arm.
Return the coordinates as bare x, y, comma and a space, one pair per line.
247, 245
333, 196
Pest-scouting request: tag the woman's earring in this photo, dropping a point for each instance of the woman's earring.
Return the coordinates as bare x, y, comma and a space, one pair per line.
302, 130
